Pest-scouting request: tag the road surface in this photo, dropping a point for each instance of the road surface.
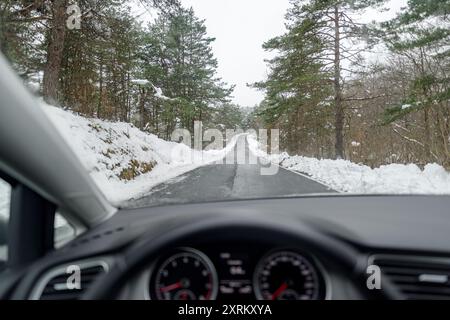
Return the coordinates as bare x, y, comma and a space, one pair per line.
220, 181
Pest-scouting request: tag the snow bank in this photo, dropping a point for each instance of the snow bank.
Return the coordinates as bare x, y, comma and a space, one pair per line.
125, 162
345, 176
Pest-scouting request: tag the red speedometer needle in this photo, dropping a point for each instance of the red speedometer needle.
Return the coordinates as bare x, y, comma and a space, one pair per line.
172, 287
279, 291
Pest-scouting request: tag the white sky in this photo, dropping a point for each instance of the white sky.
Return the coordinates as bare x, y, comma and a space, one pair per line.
241, 27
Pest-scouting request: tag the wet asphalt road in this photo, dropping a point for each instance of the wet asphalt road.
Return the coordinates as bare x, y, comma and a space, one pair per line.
231, 181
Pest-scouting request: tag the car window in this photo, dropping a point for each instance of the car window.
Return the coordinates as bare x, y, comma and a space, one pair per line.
64, 231
5, 197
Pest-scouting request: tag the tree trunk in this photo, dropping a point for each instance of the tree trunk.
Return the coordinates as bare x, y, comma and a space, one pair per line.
428, 142
426, 110
57, 34
142, 110
100, 98
339, 110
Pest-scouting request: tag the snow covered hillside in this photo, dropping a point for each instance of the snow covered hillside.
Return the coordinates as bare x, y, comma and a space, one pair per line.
345, 176
125, 162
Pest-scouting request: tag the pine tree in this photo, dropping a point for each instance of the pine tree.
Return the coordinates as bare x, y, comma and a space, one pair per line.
178, 58
30, 27
421, 36
319, 48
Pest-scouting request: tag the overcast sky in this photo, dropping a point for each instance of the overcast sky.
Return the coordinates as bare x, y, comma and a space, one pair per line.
241, 27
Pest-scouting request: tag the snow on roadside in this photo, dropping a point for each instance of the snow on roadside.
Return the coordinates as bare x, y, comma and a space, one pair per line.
125, 162
345, 176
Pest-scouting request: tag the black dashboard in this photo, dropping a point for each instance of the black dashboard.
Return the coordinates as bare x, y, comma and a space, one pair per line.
399, 233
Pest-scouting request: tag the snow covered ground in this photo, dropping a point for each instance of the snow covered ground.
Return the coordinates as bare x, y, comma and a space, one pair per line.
125, 162
348, 177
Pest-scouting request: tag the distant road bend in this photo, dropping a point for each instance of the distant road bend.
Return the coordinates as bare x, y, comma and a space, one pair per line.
220, 181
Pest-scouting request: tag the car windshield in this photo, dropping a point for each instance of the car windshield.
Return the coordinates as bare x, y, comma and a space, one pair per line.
182, 101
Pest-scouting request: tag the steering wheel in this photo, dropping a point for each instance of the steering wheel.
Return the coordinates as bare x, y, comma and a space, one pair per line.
287, 233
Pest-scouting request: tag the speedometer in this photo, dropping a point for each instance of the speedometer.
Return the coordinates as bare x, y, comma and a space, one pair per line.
287, 275
185, 275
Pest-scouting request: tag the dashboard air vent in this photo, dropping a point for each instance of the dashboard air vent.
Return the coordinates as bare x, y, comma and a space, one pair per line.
418, 278
54, 285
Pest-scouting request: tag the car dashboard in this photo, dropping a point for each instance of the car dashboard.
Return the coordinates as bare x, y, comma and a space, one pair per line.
407, 237
232, 272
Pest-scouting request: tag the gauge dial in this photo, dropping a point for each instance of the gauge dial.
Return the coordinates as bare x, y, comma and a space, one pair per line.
287, 276
186, 275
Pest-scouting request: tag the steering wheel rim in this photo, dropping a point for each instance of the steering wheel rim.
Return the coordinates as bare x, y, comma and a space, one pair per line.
149, 247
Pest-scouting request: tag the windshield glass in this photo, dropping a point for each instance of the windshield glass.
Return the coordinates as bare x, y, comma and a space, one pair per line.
180, 101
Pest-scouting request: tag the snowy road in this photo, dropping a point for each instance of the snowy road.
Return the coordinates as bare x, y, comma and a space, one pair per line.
230, 181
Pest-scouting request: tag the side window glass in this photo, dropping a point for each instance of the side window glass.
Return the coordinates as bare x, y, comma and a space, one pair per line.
64, 232
5, 199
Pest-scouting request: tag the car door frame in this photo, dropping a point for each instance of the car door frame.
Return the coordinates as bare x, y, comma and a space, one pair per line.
30, 233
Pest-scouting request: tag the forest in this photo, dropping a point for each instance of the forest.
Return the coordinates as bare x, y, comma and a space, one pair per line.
325, 92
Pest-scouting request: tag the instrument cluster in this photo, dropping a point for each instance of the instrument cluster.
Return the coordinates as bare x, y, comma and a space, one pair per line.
238, 274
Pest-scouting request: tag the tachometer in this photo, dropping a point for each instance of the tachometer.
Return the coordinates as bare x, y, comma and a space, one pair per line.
186, 275
287, 275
